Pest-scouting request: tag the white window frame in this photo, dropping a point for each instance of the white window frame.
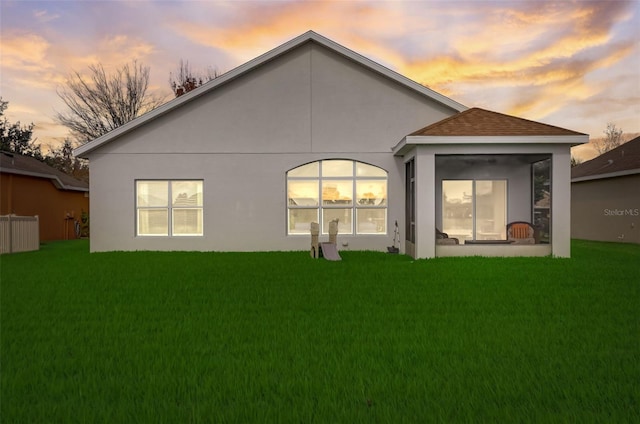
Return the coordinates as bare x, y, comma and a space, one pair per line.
170, 209
355, 206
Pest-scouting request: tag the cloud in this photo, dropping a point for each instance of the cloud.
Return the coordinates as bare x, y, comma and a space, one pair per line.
544, 56
253, 28
537, 59
24, 51
44, 16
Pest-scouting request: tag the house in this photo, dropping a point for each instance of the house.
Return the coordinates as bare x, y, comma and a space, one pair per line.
312, 132
29, 187
605, 196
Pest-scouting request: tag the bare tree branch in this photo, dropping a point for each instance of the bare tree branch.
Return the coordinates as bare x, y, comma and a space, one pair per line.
185, 80
101, 103
612, 139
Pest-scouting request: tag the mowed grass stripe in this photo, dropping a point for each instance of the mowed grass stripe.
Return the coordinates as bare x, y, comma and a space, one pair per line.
279, 337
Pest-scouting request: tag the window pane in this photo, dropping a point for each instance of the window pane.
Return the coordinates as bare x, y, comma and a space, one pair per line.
542, 198
491, 210
186, 193
344, 220
337, 192
303, 193
337, 168
301, 219
457, 208
152, 193
371, 221
365, 170
308, 170
371, 192
153, 222
187, 222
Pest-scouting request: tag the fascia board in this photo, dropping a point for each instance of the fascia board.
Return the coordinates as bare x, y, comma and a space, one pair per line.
83, 150
402, 147
608, 175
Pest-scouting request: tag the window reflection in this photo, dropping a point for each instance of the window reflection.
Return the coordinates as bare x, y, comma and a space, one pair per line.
323, 191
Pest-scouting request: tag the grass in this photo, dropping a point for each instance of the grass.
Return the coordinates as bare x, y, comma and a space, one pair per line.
279, 337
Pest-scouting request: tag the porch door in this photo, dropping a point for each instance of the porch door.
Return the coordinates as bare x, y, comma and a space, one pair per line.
474, 209
410, 201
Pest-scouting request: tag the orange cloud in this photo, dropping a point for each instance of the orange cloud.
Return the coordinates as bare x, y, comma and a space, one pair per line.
256, 29
24, 51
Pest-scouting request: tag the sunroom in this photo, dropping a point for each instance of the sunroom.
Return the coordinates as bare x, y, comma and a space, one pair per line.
470, 177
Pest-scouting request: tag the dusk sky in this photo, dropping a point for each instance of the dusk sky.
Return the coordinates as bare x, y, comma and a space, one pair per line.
574, 64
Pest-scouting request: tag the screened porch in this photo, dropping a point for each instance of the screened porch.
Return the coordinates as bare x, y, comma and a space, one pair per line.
479, 196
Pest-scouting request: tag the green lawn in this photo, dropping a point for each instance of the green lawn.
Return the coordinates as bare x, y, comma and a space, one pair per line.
280, 337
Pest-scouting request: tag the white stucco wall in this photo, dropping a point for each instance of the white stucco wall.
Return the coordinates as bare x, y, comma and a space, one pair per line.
241, 138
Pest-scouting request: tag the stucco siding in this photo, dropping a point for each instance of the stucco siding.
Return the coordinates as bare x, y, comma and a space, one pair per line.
310, 100
265, 111
355, 109
606, 209
242, 138
245, 206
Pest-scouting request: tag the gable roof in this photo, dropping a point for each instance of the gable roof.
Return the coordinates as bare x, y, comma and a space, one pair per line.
13, 163
307, 37
623, 160
478, 125
481, 122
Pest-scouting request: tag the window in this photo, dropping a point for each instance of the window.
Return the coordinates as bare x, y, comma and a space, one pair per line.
410, 200
353, 192
541, 180
474, 209
169, 208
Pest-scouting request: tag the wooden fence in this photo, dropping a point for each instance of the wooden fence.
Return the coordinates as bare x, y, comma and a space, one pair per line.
19, 233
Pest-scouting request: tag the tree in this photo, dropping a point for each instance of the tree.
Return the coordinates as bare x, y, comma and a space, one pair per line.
185, 80
15, 137
62, 159
101, 103
575, 161
612, 139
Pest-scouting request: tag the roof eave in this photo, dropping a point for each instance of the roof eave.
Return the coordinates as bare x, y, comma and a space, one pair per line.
54, 179
408, 142
607, 175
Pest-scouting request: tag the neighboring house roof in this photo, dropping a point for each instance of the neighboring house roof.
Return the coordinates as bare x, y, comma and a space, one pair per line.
623, 160
481, 122
13, 163
307, 37
477, 125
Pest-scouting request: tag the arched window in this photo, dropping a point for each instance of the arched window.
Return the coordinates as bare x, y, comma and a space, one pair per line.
353, 192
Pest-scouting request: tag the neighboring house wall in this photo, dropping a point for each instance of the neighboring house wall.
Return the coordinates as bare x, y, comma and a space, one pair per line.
242, 138
28, 196
606, 209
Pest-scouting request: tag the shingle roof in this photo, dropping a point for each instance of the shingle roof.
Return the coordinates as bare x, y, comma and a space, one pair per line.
623, 160
481, 122
12, 163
